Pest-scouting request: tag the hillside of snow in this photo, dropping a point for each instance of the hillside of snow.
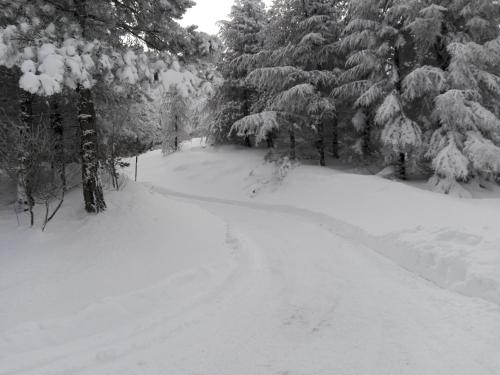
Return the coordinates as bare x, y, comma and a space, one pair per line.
450, 241
218, 263
63, 290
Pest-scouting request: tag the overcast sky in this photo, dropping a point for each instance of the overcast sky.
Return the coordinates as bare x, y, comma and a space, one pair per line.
206, 13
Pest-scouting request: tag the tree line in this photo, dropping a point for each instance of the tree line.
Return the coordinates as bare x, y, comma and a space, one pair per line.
410, 84
83, 85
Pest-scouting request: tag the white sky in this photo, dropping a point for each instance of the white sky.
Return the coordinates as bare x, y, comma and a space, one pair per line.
206, 13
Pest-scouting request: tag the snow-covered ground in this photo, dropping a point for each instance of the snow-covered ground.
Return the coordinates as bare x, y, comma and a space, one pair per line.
450, 241
219, 263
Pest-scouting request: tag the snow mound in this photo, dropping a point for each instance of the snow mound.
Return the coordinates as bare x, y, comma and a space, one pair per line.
449, 241
90, 275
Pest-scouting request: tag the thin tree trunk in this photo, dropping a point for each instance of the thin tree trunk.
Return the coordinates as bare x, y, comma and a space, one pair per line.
58, 132
402, 166
270, 141
176, 139
292, 145
247, 141
92, 190
25, 181
366, 138
402, 156
321, 144
335, 138
246, 112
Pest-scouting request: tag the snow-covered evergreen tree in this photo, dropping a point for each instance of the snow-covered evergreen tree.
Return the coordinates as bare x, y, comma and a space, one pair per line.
294, 74
241, 34
380, 54
457, 84
74, 43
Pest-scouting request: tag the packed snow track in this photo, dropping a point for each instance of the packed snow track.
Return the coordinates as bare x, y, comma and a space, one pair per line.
293, 292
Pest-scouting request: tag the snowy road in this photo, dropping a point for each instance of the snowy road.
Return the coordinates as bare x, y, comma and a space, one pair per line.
311, 302
300, 294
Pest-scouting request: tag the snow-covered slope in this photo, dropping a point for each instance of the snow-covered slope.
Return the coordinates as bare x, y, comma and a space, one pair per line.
450, 241
217, 263
88, 275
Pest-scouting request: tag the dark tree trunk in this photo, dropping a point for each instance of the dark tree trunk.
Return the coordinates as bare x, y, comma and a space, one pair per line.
25, 182
58, 133
293, 154
366, 138
399, 64
335, 138
92, 190
442, 55
246, 112
402, 166
176, 139
247, 141
320, 143
270, 141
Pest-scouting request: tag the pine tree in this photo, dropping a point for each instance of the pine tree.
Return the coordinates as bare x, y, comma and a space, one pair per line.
74, 43
241, 35
458, 82
380, 53
294, 73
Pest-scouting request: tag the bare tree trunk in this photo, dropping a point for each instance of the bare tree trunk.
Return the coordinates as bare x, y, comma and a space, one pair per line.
402, 166
321, 144
58, 132
335, 138
293, 153
270, 141
176, 139
25, 198
247, 141
92, 190
246, 112
366, 137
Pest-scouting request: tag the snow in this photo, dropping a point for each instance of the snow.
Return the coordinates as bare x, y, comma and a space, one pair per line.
258, 124
217, 262
403, 222
89, 276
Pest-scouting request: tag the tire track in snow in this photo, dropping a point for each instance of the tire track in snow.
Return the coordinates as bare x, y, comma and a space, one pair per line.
419, 324
152, 329
381, 245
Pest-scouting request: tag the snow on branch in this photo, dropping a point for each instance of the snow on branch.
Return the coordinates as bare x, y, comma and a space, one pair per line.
450, 163
370, 97
352, 89
459, 109
313, 39
259, 124
482, 153
423, 81
276, 78
295, 99
402, 134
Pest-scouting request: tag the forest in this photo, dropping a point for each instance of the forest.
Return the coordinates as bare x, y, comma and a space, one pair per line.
407, 85
313, 189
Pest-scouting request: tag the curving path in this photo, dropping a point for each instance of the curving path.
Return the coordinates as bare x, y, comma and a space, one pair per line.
302, 294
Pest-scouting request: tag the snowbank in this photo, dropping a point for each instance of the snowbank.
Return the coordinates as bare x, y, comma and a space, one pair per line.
88, 274
452, 242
